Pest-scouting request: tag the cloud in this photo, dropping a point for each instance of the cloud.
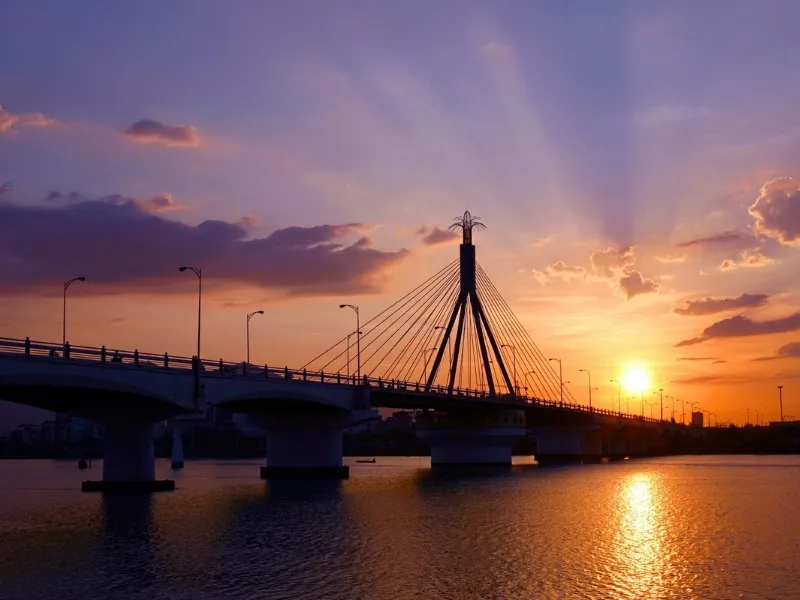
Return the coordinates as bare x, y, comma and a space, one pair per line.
719, 362
777, 211
705, 379
541, 242
561, 271
496, 49
609, 262
121, 245
710, 306
696, 358
740, 326
748, 260
668, 258
433, 236
633, 284
148, 131
727, 237
9, 120
790, 350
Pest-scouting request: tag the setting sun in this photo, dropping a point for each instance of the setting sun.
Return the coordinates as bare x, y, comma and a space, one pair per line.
636, 380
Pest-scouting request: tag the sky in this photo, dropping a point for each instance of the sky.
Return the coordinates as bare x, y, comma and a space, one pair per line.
636, 165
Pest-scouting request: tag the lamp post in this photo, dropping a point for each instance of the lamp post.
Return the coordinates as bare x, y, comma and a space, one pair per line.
199, 273
628, 404
514, 352
349, 335
661, 401
67, 283
673, 406
691, 407
590, 385
425, 368
757, 417
651, 405
560, 377
358, 339
250, 316
780, 399
619, 394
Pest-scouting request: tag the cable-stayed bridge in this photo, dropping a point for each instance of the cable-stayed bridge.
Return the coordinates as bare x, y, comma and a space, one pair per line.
451, 349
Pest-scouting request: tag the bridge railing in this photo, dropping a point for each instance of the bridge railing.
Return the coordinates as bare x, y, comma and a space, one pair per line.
221, 368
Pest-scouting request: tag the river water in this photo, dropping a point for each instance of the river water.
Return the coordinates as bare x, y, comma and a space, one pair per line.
680, 527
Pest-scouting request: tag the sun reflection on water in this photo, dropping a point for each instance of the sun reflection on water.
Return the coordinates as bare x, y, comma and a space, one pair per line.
640, 556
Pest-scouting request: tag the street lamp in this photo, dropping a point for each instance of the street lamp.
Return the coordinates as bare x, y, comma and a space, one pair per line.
780, 399
619, 394
673, 406
590, 385
449, 349
514, 352
691, 407
349, 335
628, 404
425, 368
67, 283
661, 391
560, 377
757, 417
250, 316
358, 339
199, 273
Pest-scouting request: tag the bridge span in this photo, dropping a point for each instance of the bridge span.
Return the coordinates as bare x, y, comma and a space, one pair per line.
303, 412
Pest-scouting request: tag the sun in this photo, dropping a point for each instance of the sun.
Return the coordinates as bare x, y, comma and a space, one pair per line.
636, 380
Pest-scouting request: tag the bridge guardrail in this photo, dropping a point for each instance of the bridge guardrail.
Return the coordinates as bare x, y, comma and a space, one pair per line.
221, 368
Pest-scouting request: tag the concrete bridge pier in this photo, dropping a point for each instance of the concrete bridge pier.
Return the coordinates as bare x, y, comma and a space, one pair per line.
568, 444
129, 459
304, 444
176, 457
471, 438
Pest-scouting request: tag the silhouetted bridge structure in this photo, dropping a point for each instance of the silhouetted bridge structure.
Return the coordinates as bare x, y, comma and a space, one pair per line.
470, 409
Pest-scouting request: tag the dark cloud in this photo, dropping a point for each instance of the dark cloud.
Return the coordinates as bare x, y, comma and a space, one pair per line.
633, 284
777, 211
710, 306
150, 131
435, 236
790, 350
740, 326
696, 358
725, 238
121, 245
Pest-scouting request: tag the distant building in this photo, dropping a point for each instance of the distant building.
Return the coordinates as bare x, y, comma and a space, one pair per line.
697, 419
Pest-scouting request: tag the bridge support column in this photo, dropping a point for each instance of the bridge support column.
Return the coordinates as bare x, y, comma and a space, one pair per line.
471, 438
304, 445
129, 460
568, 444
176, 458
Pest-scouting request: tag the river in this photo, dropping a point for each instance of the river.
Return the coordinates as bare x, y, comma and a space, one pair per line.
680, 527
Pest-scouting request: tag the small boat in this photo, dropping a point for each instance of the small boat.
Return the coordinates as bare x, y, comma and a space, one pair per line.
366, 460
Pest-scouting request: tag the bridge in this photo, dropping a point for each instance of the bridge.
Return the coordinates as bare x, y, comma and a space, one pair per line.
471, 408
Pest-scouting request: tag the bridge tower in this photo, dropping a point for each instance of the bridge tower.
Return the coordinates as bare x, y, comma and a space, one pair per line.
468, 300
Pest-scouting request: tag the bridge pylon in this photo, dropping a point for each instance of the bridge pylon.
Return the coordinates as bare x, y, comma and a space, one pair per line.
468, 302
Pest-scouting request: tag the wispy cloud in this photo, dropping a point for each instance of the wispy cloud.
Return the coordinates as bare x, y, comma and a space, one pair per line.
710, 306
9, 120
434, 236
740, 326
719, 239
790, 350
748, 260
149, 131
668, 258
